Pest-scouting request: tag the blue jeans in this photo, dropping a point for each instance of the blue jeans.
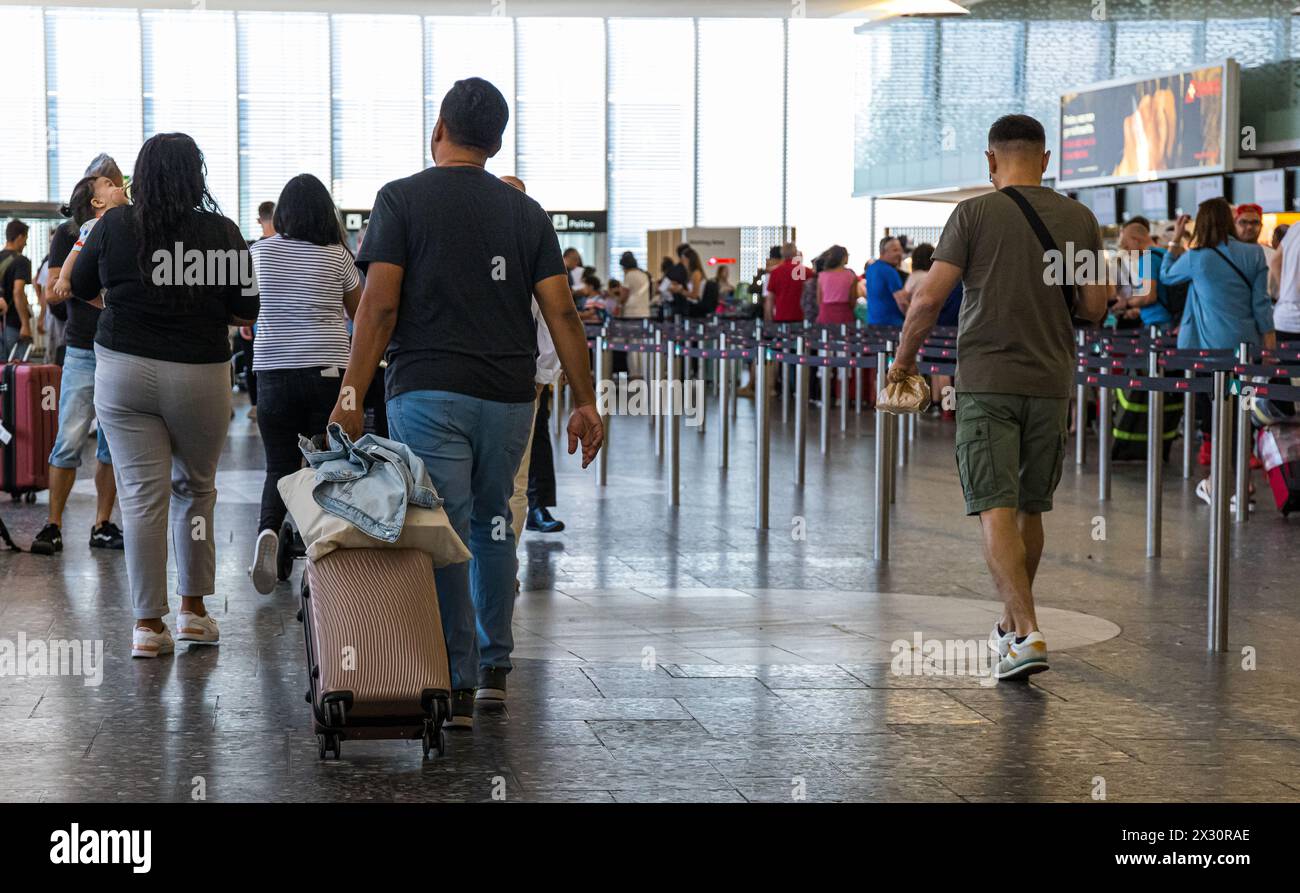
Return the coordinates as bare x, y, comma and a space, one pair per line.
471, 449
8, 338
77, 411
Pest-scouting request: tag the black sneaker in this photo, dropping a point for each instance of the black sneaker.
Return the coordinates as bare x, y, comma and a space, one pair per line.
106, 536
462, 709
48, 541
492, 685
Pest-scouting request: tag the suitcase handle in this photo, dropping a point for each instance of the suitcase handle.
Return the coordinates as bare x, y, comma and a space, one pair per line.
13, 351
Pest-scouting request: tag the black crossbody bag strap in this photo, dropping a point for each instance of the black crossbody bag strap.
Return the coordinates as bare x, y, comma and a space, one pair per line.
1044, 238
1250, 286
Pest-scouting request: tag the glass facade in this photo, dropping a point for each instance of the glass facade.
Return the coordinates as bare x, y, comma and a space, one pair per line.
928, 89
604, 111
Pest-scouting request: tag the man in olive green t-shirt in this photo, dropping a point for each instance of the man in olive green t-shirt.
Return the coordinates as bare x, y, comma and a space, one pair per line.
1015, 363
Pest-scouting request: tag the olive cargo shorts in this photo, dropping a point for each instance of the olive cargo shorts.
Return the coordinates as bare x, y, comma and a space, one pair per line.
1009, 450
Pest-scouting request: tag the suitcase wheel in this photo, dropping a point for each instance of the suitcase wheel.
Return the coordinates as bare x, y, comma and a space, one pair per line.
435, 738
329, 743
284, 558
30, 497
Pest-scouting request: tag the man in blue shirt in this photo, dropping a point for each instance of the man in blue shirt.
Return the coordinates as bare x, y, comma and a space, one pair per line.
1148, 296
885, 286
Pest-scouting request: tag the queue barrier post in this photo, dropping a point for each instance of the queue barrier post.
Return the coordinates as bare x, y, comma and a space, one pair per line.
602, 456
1189, 426
672, 420
763, 431
1081, 406
656, 393
1155, 457
883, 465
1242, 414
1104, 410
1221, 425
842, 374
800, 412
824, 428
724, 395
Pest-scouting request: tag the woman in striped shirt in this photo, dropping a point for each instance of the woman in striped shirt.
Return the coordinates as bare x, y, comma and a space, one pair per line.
308, 279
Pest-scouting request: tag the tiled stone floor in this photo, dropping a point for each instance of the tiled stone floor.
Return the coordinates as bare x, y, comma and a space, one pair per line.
682, 655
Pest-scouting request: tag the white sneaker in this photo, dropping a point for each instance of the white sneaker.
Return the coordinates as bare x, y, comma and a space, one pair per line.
147, 643
193, 628
999, 641
1203, 491
266, 551
1023, 658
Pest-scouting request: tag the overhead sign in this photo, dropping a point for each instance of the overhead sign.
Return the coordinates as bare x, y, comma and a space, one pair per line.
580, 221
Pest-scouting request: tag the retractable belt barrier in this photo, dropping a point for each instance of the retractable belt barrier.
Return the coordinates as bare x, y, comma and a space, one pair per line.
1141, 363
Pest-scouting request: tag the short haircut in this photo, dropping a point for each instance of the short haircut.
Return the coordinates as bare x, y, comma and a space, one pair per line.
1023, 130
475, 114
570, 250
774, 253
1138, 220
14, 229
922, 257
884, 243
789, 251
265, 211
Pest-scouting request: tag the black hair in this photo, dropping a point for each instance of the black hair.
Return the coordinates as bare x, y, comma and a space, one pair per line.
774, 253
627, 261
79, 206
666, 264
14, 229
265, 211
475, 114
683, 248
922, 257
168, 185
692, 257
593, 280
305, 212
1017, 129
1137, 220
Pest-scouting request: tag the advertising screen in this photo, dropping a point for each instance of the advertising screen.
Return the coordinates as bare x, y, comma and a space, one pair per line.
1167, 125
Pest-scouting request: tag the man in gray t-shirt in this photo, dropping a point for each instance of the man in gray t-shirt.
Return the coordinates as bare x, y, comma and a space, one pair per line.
1015, 359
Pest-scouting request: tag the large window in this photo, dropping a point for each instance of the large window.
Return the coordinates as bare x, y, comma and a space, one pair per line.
651, 132
739, 130
284, 104
560, 91
819, 159
93, 106
190, 86
459, 48
377, 113
24, 174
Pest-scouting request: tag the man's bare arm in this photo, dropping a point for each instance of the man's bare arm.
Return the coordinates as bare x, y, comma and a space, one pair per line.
371, 332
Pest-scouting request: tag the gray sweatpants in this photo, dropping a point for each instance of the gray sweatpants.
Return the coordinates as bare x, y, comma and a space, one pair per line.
167, 423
